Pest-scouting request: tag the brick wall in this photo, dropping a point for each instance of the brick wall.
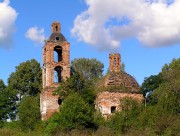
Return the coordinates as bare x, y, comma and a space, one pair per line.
106, 100
56, 43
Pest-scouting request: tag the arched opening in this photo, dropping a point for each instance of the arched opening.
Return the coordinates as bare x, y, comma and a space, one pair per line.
113, 109
57, 74
57, 53
115, 62
59, 101
56, 28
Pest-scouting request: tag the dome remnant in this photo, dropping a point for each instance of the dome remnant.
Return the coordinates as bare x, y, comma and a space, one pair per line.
120, 82
115, 86
57, 37
117, 80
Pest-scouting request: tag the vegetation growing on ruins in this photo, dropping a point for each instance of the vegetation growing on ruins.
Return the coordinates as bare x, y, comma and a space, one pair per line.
117, 82
19, 101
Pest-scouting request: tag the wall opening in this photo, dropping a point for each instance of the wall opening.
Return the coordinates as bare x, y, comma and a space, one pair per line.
113, 109
57, 53
57, 38
57, 74
56, 28
115, 62
59, 101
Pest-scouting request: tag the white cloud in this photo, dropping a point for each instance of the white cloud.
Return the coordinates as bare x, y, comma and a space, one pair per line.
7, 23
36, 34
107, 22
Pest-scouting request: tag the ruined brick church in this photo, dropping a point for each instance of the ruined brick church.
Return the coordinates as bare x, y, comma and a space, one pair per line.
56, 67
115, 86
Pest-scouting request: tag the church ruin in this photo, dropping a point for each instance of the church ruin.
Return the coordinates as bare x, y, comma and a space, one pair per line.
115, 85
56, 66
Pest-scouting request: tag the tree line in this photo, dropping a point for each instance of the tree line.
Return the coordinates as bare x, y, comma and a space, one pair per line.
158, 115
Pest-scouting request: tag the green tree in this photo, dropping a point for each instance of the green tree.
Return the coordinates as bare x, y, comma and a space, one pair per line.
74, 113
27, 79
168, 93
29, 112
3, 103
77, 83
84, 74
151, 83
122, 122
163, 116
91, 69
2, 85
7, 103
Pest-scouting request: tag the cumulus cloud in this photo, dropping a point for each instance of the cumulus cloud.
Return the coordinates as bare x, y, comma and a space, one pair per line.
106, 23
36, 34
7, 23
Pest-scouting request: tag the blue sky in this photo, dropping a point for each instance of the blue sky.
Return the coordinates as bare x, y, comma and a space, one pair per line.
146, 34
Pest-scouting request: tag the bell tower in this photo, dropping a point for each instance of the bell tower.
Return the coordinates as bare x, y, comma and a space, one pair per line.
56, 27
56, 67
114, 62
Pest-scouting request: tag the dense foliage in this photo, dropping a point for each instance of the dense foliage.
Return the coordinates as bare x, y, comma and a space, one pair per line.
77, 83
7, 103
77, 117
3, 102
151, 83
89, 68
25, 84
29, 112
27, 79
74, 113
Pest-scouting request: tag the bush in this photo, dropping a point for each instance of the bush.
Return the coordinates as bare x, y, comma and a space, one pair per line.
104, 131
29, 113
122, 122
16, 132
74, 114
12, 125
7, 132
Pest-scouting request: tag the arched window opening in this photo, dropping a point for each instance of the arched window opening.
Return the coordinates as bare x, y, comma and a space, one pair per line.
115, 62
58, 53
113, 109
56, 28
59, 101
57, 74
